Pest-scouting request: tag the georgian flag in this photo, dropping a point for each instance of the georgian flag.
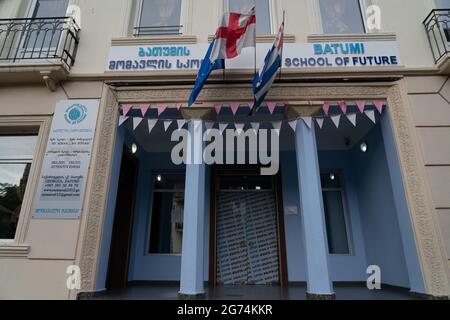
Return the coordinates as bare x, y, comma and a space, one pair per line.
236, 31
272, 64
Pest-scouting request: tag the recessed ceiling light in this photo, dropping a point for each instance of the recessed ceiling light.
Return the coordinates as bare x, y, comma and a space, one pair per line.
364, 147
158, 178
332, 176
134, 148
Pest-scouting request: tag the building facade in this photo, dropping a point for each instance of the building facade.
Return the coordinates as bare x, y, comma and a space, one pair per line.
92, 92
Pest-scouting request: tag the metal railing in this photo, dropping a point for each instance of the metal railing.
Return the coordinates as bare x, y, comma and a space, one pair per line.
43, 39
437, 26
157, 31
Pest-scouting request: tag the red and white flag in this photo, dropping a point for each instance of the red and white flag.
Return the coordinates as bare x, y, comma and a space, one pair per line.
236, 31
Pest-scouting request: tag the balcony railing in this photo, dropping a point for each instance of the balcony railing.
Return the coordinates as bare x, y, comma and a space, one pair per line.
157, 31
43, 39
437, 26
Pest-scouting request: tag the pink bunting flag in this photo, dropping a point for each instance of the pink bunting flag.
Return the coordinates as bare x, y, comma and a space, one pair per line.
379, 105
161, 108
234, 107
251, 104
218, 107
126, 108
326, 108
178, 105
361, 104
343, 106
144, 108
271, 106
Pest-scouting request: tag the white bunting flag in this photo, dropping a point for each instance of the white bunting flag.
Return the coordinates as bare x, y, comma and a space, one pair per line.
277, 126
222, 127
293, 125
255, 126
371, 115
352, 118
307, 121
167, 124
122, 120
136, 122
209, 125
336, 120
239, 127
151, 124
320, 122
181, 123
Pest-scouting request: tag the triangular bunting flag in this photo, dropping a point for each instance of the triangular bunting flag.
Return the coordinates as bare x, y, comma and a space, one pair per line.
126, 108
307, 121
151, 124
320, 122
277, 126
379, 105
271, 106
255, 126
336, 119
144, 108
222, 127
352, 118
239, 127
234, 107
161, 108
180, 123
178, 105
251, 104
218, 107
209, 125
371, 115
343, 106
136, 122
326, 108
167, 124
361, 104
293, 125
122, 119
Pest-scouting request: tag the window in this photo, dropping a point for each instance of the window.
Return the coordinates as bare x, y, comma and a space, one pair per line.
263, 25
16, 154
46, 34
341, 16
166, 232
335, 217
442, 4
159, 17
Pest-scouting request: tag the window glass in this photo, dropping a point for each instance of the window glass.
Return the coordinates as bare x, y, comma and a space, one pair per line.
442, 4
334, 214
166, 232
159, 17
262, 12
341, 16
50, 8
16, 153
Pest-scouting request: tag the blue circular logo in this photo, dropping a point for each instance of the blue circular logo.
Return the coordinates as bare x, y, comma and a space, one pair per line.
75, 114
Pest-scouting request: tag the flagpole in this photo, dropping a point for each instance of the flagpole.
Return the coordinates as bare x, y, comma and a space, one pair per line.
282, 48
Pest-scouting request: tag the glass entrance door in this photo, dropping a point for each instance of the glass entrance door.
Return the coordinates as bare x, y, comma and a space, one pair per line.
246, 231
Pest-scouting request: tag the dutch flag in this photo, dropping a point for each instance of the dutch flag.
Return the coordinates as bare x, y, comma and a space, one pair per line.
272, 64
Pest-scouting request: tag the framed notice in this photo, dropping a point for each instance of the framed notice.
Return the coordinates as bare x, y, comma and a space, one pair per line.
62, 182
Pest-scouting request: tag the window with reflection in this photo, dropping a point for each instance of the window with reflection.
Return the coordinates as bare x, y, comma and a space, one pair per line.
262, 13
335, 216
341, 16
166, 232
16, 155
159, 17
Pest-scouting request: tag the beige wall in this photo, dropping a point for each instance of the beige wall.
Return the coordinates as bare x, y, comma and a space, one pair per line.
430, 105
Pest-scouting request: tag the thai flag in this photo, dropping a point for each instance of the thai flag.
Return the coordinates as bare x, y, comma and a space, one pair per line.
237, 31
272, 64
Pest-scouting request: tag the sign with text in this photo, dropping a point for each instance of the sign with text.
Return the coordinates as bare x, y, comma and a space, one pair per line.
65, 167
295, 56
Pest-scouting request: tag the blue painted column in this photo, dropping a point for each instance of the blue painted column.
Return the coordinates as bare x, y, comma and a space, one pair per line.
314, 229
192, 281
